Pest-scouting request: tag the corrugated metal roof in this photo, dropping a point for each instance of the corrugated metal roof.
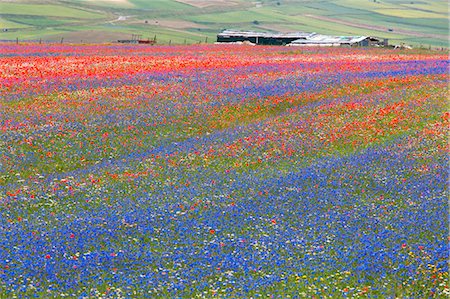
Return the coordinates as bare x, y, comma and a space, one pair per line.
328, 39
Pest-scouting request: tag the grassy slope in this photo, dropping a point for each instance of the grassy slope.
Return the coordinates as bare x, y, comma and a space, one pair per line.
424, 22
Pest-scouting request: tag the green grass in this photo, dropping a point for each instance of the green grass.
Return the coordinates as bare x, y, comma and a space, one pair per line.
103, 4
425, 42
10, 8
163, 5
238, 17
9, 24
41, 21
405, 13
436, 26
368, 5
165, 35
33, 21
436, 6
324, 26
29, 34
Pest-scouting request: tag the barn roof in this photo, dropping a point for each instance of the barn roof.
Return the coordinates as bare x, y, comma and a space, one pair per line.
328, 39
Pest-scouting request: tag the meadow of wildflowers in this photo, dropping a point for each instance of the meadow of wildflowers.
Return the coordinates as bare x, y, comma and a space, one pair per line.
223, 171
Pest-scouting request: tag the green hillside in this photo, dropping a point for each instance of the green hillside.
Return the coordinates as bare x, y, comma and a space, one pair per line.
417, 23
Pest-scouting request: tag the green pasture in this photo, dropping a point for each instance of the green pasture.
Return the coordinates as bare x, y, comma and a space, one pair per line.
163, 35
370, 5
314, 25
9, 24
232, 17
434, 26
359, 15
166, 35
425, 42
52, 10
431, 9
33, 34
440, 7
105, 3
162, 5
42, 21
405, 13
413, 22
327, 8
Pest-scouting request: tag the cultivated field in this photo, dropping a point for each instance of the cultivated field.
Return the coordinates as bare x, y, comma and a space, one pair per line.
420, 23
211, 171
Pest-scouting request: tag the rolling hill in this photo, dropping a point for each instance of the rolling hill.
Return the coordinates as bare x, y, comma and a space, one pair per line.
197, 21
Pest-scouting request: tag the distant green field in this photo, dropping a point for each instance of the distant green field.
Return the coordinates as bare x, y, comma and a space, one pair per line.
422, 22
8, 24
19, 9
159, 4
42, 21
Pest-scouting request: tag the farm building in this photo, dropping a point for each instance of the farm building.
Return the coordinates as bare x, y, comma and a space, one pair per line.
326, 40
298, 39
260, 38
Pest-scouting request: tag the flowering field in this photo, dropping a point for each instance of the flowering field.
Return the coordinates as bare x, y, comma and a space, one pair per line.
222, 171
